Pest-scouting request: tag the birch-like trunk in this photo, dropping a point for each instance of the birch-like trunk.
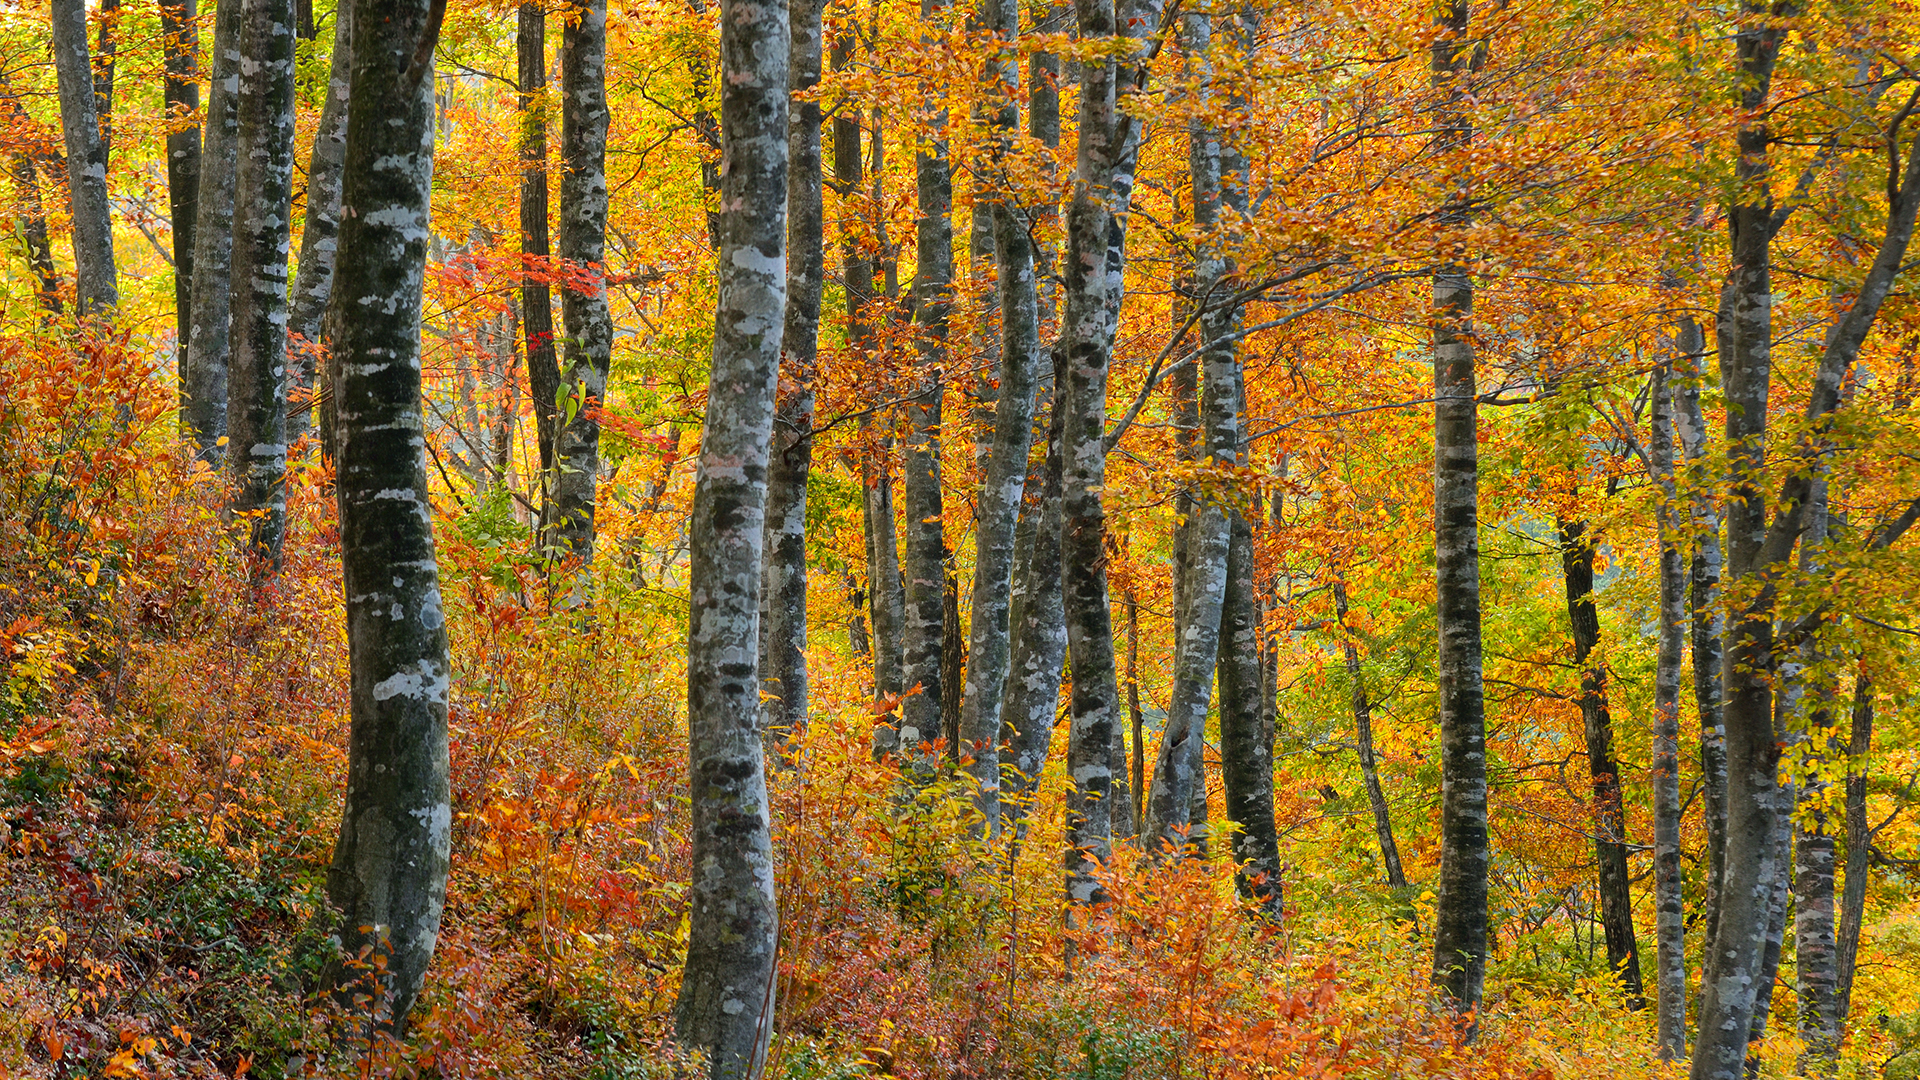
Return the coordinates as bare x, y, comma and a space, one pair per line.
94, 275
1860, 833
1246, 757
1363, 738
1460, 917
263, 215
588, 350
923, 637
1003, 486
536, 293
1707, 625
389, 869
1816, 972
1039, 632
320, 238
204, 384
783, 629
726, 1005
1609, 809
1669, 900
181, 47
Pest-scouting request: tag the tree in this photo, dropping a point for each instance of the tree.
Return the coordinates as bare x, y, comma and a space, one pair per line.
94, 271
389, 872
263, 210
727, 993
1670, 928
1363, 741
320, 237
182, 95
204, 385
536, 297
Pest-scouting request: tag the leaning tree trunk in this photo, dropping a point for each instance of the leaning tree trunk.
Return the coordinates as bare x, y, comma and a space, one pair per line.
1003, 487
783, 629
1363, 737
181, 31
204, 385
536, 293
923, 638
1669, 900
98, 286
1460, 918
1609, 809
588, 352
1853, 898
263, 212
726, 1005
320, 239
389, 872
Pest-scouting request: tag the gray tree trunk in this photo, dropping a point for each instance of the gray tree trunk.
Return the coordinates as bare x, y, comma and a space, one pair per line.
783, 630
263, 213
1669, 900
204, 385
1460, 930
389, 868
536, 293
1609, 810
1853, 898
94, 274
726, 1005
320, 238
1136, 719
1246, 758
588, 351
889, 603
103, 57
1039, 633
1363, 737
31, 220
181, 48
1816, 959
923, 637
1003, 485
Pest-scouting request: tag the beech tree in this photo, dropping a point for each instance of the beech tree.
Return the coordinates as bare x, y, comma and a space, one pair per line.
182, 95
204, 384
726, 1004
389, 872
94, 269
319, 238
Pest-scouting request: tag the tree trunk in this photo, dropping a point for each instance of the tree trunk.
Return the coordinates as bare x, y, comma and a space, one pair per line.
1853, 898
1363, 735
1039, 632
1669, 900
1003, 486
263, 212
103, 57
923, 637
1609, 810
1137, 775
888, 599
1707, 626
726, 1004
98, 286
783, 631
32, 223
320, 239
181, 31
389, 872
204, 386
1460, 919
1246, 758
1816, 971
588, 352
536, 293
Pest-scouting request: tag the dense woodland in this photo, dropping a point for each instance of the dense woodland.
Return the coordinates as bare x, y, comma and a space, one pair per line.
833, 538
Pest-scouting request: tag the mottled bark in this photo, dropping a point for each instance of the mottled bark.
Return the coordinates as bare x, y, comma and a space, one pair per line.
1363, 738
588, 350
536, 293
103, 64
1707, 623
1460, 918
1669, 901
263, 214
1246, 758
1609, 809
1039, 633
1816, 972
1003, 483
389, 872
783, 625
180, 30
923, 637
726, 1004
97, 284
320, 238
31, 221
1136, 719
204, 385
1853, 898
889, 602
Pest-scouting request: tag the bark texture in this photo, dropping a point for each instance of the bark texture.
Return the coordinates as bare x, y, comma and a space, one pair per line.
1707, 624
536, 293
204, 385
1860, 832
320, 237
1246, 756
263, 213
1609, 809
1816, 970
588, 351
1669, 901
783, 631
726, 1005
31, 221
389, 870
1039, 628
94, 275
1363, 738
181, 31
